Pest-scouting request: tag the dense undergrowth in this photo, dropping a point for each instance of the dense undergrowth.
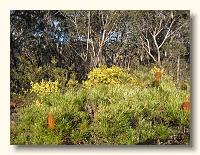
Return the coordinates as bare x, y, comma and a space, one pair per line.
106, 111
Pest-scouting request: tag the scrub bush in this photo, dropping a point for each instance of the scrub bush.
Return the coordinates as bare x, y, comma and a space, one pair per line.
105, 114
112, 75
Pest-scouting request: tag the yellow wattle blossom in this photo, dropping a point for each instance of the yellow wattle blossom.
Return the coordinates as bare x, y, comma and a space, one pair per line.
72, 81
44, 87
156, 69
112, 75
37, 103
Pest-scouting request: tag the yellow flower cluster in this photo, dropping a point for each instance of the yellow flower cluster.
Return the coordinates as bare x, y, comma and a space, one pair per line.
44, 87
37, 103
39, 69
112, 75
72, 81
156, 69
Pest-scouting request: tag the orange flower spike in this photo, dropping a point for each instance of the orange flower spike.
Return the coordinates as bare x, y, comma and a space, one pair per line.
157, 80
186, 106
158, 76
51, 121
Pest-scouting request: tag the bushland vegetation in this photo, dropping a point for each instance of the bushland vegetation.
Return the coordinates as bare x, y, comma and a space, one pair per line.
100, 77
115, 108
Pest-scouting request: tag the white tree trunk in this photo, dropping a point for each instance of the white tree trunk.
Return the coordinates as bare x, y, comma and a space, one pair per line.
178, 68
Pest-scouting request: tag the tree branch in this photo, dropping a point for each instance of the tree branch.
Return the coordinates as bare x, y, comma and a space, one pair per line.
167, 34
147, 48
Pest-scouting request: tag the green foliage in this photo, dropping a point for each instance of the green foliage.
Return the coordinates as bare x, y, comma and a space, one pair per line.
37, 54
175, 48
112, 125
112, 106
26, 73
71, 122
105, 114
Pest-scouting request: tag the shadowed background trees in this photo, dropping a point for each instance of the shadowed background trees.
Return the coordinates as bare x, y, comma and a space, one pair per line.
52, 44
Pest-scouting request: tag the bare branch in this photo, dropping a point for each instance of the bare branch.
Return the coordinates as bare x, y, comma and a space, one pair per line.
167, 34
171, 34
146, 47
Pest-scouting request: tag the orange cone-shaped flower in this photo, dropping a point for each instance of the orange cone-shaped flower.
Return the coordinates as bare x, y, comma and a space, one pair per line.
51, 121
186, 105
158, 76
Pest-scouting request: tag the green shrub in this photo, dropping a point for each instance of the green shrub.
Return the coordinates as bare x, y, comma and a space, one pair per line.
27, 70
115, 114
112, 125
71, 122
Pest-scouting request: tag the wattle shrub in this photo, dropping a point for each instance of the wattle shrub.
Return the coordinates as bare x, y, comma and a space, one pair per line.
44, 87
112, 75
